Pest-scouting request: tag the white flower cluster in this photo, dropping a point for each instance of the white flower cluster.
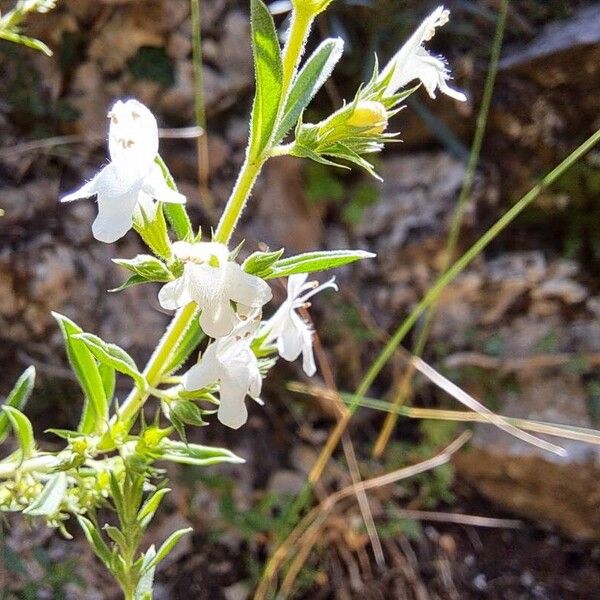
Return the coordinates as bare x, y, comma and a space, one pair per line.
230, 300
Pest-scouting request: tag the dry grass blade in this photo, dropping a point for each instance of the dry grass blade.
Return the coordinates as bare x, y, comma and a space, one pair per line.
348, 449
44, 144
470, 402
568, 432
316, 516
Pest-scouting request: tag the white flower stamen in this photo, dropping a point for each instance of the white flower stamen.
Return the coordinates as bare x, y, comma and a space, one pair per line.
213, 281
286, 328
132, 179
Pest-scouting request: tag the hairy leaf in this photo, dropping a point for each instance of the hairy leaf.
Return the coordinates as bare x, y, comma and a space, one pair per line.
49, 501
269, 73
308, 82
315, 261
17, 398
95, 409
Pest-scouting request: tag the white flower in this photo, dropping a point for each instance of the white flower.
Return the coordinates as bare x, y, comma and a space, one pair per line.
132, 178
213, 281
286, 327
230, 362
412, 61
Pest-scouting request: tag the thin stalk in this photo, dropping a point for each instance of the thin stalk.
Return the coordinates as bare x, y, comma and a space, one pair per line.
436, 289
294, 47
405, 389
155, 368
199, 106
292, 53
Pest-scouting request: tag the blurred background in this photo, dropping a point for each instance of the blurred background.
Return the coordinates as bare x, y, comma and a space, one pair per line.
519, 329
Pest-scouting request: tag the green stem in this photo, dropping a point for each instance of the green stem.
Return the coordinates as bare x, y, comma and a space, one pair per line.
155, 368
464, 261
237, 201
299, 30
404, 389
154, 371
294, 48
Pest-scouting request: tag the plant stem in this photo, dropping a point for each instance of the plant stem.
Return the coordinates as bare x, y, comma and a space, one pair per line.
154, 371
294, 48
155, 368
237, 201
434, 292
299, 30
405, 387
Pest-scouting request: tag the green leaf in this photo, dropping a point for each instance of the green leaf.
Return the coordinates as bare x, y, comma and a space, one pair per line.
146, 266
315, 261
153, 230
24, 40
308, 82
269, 74
83, 363
194, 454
112, 355
185, 412
187, 344
150, 507
49, 501
145, 585
133, 280
168, 545
17, 398
117, 536
107, 374
95, 540
176, 213
23, 430
260, 262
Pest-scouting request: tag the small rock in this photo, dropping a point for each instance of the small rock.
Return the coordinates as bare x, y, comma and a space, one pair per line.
286, 483
566, 290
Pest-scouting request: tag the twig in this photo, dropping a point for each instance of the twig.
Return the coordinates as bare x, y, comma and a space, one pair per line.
91, 138
316, 516
526, 363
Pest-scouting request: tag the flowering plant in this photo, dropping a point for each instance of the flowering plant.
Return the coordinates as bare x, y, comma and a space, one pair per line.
109, 461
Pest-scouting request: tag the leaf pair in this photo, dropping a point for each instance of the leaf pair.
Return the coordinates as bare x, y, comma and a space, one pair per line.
94, 363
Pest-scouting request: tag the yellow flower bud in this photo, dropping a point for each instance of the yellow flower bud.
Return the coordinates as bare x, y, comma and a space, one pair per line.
79, 446
153, 436
369, 112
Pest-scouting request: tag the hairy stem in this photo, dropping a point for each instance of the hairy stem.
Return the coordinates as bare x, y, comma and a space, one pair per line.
155, 369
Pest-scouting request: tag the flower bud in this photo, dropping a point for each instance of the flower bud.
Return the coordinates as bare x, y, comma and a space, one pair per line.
369, 113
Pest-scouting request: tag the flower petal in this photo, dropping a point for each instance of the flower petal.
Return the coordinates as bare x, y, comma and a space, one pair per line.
218, 320
85, 191
245, 288
203, 374
156, 186
289, 343
295, 283
232, 408
115, 216
133, 136
308, 358
174, 294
